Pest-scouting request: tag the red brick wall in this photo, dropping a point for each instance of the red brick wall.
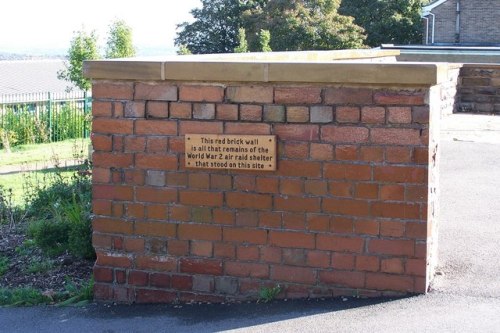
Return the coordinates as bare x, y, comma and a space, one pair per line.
344, 214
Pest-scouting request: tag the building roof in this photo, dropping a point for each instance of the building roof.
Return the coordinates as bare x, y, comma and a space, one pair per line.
31, 76
427, 9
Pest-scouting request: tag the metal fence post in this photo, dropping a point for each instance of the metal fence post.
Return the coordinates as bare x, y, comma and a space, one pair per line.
49, 112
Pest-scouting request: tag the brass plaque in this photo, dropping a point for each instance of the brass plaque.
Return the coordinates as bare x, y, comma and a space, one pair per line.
239, 152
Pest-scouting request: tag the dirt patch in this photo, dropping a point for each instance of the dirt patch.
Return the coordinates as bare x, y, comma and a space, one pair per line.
27, 266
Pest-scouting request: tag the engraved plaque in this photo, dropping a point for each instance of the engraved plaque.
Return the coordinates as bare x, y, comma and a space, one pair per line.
237, 152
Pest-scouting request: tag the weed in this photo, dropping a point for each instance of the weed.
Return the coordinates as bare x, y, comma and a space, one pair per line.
22, 297
4, 265
40, 266
78, 296
268, 294
9, 213
27, 248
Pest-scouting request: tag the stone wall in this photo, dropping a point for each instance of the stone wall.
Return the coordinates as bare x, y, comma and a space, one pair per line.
346, 212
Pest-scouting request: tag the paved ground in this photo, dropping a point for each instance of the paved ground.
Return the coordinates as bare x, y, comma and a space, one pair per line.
465, 298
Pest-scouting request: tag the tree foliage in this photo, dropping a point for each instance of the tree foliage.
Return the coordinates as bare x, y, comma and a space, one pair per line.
264, 40
215, 29
242, 42
387, 21
83, 46
293, 25
119, 43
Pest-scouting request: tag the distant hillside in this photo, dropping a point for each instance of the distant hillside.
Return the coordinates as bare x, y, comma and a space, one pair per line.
19, 56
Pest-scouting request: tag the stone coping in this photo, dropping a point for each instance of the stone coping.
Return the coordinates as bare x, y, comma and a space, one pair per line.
346, 67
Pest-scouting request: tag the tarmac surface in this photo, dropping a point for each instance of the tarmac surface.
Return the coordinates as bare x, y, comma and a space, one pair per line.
465, 295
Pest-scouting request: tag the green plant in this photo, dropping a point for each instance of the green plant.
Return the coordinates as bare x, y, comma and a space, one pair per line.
4, 265
40, 266
267, 294
9, 213
77, 296
50, 236
26, 248
22, 296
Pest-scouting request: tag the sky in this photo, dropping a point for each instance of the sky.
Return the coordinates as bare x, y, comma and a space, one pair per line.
47, 26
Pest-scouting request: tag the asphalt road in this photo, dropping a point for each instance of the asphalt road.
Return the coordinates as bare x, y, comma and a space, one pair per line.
464, 298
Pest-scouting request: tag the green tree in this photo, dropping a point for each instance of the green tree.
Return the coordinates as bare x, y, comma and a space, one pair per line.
242, 42
183, 50
215, 29
264, 40
119, 43
387, 21
83, 46
302, 25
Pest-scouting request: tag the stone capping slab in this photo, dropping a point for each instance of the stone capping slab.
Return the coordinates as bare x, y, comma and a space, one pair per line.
310, 67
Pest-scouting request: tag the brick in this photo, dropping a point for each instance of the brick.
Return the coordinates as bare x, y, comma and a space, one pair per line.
134, 144
155, 195
103, 274
155, 178
295, 150
321, 114
118, 109
316, 187
243, 269
267, 185
417, 230
354, 96
227, 111
155, 127
399, 97
297, 204
346, 207
416, 194
202, 248
248, 128
115, 90
157, 145
112, 126
420, 114
181, 110
274, 113
399, 115
102, 142
250, 94
371, 154
343, 261
101, 207
176, 145
395, 210
199, 232
291, 186
297, 114
341, 225
204, 111
416, 267
291, 239
248, 200
373, 115
201, 198
203, 283
341, 189
134, 245
294, 221
247, 253
347, 171
244, 183
118, 143
177, 179
392, 192
201, 266
392, 247
339, 244
138, 278
156, 161
159, 280
226, 285
224, 250
247, 218
347, 114
199, 181
294, 257
367, 263
103, 291
320, 259
338, 134
392, 228
400, 174
245, 235
395, 136
297, 95
250, 112
293, 274
366, 191
112, 192
135, 110
201, 93
178, 247
147, 296
155, 92
300, 169
392, 265
200, 127
401, 155
297, 132
113, 260
318, 222
155, 229
344, 279
220, 182
157, 110
157, 212
421, 155
346, 152
134, 210
102, 109
380, 281
270, 219
201, 214
270, 254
